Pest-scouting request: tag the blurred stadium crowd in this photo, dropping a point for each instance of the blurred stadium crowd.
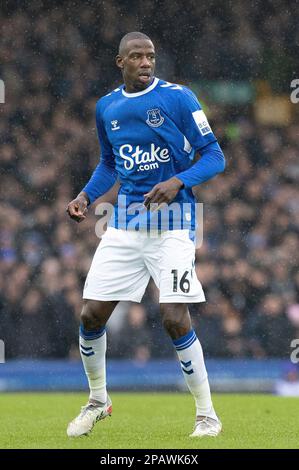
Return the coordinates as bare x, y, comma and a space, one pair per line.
56, 59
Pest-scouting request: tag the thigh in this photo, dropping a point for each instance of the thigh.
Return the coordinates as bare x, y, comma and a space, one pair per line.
117, 271
172, 266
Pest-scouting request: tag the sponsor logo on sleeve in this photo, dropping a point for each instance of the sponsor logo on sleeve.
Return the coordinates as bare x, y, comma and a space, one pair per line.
202, 122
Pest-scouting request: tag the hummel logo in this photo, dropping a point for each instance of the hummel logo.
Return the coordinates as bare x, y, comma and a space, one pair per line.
114, 125
187, 365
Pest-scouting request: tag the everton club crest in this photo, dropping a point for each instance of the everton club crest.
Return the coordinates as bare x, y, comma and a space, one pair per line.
154, 118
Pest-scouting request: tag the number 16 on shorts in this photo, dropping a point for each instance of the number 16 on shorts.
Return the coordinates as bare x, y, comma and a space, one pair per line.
182, 283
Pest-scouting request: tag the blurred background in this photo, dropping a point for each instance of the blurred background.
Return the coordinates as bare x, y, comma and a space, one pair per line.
239, 57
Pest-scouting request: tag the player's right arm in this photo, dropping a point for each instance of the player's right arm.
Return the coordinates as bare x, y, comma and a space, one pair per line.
103, 177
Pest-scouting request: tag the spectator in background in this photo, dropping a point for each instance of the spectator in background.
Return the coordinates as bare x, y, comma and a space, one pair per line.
33, 327
269, 331
135, 339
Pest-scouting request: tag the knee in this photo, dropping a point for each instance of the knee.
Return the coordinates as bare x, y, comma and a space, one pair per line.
90, 316
176, 321
171, 324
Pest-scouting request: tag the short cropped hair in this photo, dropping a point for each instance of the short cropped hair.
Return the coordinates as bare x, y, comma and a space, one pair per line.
128, 37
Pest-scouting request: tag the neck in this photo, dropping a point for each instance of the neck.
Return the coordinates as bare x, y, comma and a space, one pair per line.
132, 88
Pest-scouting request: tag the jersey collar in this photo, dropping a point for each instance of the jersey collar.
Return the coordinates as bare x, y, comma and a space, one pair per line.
143, 92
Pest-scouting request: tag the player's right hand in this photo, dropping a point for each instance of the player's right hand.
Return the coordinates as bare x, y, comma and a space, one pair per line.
77, 209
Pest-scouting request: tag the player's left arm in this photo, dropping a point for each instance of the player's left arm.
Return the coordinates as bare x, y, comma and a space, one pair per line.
211, 163
200, 136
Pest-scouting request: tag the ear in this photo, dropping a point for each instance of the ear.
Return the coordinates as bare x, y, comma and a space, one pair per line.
119, 61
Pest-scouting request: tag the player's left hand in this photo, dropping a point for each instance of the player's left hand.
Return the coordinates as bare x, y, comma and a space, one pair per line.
163, 192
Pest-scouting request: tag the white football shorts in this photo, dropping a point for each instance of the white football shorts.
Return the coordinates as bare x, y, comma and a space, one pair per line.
125, 260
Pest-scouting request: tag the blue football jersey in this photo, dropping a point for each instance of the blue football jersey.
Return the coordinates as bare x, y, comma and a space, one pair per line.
149, 137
